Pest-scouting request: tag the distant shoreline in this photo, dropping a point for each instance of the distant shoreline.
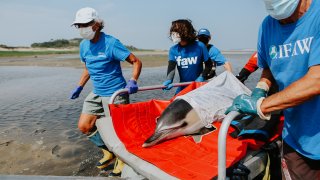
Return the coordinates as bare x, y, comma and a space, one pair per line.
73, 49
148, 58
68, 57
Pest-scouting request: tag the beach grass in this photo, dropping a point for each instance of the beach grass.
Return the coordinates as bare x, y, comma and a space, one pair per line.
49, 58
153, 60
33, 53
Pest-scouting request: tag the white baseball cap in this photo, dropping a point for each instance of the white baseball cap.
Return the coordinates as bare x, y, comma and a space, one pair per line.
85, 15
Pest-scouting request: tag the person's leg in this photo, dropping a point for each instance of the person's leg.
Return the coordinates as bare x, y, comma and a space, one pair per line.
123, 99
92, 110
300, 167
117, 170
108, 156
86, 123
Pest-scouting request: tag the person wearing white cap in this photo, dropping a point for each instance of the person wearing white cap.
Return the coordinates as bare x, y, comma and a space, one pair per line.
289, 54
214, 53
101, 55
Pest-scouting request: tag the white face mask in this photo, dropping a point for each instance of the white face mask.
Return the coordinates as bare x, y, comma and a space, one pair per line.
175, 37
281, 9
87, 32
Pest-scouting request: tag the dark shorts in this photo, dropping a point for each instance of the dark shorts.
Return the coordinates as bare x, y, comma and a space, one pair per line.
300, 167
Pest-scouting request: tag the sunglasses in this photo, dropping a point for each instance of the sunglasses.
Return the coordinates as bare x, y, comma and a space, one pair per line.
202, 37
84, 25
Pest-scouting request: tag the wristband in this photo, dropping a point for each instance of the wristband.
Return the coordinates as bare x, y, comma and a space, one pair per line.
259, 112
263, 85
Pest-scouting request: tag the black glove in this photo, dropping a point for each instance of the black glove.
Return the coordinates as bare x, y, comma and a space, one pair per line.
238, 172
243, 75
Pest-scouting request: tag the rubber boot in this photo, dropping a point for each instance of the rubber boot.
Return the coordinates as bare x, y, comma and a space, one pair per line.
118, 166
107, 155
106, 159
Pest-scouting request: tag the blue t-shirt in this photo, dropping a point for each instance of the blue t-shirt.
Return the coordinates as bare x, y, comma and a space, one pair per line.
216, 56
289, 51
189, 60
102, 60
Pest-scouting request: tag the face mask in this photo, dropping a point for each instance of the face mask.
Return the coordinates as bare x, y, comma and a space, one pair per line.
87, 33
281, 9
175, 37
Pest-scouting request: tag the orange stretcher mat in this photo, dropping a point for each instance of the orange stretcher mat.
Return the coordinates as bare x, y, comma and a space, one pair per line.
180, 157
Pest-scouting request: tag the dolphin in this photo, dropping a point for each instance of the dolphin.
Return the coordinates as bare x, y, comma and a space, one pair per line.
178, 119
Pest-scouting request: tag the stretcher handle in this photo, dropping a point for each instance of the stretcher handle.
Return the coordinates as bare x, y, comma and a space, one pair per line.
222, 143
144, 88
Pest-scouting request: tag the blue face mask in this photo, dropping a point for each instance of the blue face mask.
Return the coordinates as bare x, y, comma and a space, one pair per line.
281, 9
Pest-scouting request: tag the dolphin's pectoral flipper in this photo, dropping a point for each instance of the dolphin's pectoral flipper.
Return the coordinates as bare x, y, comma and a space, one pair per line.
204, 131
197, 137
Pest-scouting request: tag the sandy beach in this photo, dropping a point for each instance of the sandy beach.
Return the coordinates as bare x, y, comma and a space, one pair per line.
148, 58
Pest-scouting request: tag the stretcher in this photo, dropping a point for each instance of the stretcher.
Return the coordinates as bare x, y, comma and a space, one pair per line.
181, 158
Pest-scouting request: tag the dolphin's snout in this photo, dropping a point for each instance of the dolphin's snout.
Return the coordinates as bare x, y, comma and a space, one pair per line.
176, 120
151, 140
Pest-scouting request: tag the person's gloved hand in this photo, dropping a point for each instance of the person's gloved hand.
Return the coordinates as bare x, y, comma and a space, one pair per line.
168, 84
238, 171
75, 94
244, 104
132, 86
243, 75
200, 79
260, 91
251, 104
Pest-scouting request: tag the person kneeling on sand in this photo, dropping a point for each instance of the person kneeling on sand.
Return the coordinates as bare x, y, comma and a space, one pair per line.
101, 55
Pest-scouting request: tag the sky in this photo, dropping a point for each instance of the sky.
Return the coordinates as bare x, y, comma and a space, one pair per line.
144, 24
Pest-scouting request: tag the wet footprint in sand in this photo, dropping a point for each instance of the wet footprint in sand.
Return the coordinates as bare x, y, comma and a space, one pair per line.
39, 131
55, 150
6, 143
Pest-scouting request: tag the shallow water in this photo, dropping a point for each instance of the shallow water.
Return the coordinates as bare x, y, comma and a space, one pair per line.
38, 121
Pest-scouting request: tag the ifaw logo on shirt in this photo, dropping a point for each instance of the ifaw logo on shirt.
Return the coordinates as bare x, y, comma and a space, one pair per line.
101, 54
185, 62
299, 47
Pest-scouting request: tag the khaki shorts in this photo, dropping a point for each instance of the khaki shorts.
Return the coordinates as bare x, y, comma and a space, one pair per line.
97, 105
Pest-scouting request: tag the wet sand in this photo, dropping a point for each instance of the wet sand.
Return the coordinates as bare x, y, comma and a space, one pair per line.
28, 143
38, 123
63, 159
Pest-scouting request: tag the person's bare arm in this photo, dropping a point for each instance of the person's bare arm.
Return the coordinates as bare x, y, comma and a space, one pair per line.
298, 92
137, 65
227, 66
84, 77
267, 77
